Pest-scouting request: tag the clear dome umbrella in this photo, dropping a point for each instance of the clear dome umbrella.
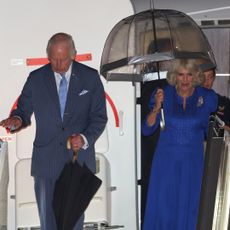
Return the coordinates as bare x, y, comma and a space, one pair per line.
142, 45
146, 42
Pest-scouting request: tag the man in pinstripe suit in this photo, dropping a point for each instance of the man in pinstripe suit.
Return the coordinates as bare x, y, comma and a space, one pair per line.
84, 119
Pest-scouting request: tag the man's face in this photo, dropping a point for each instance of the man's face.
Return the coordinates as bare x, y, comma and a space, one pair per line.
60, 57
209, 77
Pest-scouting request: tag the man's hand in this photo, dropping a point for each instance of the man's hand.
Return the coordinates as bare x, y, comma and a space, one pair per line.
75, 142
12, 123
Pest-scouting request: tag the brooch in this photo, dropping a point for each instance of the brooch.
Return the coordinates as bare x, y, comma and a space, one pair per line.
200, 101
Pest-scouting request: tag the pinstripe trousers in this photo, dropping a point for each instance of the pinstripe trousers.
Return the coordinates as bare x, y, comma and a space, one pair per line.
44, 188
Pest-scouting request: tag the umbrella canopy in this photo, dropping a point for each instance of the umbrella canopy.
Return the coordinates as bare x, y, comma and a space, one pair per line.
74, 190
151, 36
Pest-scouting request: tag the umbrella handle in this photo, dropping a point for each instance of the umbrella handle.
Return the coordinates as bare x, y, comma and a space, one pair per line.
162, 122
75, 153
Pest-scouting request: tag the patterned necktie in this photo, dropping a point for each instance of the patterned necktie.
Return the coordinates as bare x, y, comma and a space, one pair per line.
62, 94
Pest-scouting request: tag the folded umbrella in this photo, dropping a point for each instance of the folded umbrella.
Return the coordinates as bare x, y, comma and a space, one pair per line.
73, 192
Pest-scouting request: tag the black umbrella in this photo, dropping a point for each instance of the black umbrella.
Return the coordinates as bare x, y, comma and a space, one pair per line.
73, 192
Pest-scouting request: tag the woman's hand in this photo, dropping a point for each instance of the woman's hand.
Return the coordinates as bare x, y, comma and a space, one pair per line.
159, 98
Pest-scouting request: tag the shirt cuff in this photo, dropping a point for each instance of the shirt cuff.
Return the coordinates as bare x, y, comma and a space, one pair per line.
86, 145
12, 128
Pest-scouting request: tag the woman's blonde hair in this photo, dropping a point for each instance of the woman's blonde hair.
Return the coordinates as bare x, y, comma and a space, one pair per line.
189, 64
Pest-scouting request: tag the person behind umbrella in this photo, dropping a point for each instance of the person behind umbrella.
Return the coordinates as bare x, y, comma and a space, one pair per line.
223, 110
177, 165
83, 118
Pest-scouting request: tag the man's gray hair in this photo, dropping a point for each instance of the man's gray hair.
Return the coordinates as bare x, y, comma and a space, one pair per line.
61, 37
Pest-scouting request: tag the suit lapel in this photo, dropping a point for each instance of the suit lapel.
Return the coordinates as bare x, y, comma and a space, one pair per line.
50, 83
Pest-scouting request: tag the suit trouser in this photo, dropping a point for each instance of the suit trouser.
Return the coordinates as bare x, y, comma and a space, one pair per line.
44, 189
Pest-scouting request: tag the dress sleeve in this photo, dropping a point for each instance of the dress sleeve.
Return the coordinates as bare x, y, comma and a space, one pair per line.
149, 130
212, 101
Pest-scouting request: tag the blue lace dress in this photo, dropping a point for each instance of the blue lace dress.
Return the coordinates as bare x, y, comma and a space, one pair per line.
177, 167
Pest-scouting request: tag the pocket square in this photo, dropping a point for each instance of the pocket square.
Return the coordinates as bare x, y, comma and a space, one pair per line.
83, 92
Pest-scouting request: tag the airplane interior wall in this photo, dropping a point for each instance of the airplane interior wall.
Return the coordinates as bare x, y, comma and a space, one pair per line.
219, 39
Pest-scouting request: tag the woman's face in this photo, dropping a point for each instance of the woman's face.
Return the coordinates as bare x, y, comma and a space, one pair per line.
184, 81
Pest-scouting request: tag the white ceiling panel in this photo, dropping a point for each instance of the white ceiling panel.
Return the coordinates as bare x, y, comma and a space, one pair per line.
197, 9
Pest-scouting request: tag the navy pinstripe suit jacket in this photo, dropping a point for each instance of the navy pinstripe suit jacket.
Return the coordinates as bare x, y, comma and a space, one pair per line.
85, 113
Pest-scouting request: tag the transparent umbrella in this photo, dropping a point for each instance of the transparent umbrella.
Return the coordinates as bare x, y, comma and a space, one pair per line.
147, 41
141, 46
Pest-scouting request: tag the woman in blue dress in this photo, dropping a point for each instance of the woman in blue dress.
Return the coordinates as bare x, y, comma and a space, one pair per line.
177, 167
